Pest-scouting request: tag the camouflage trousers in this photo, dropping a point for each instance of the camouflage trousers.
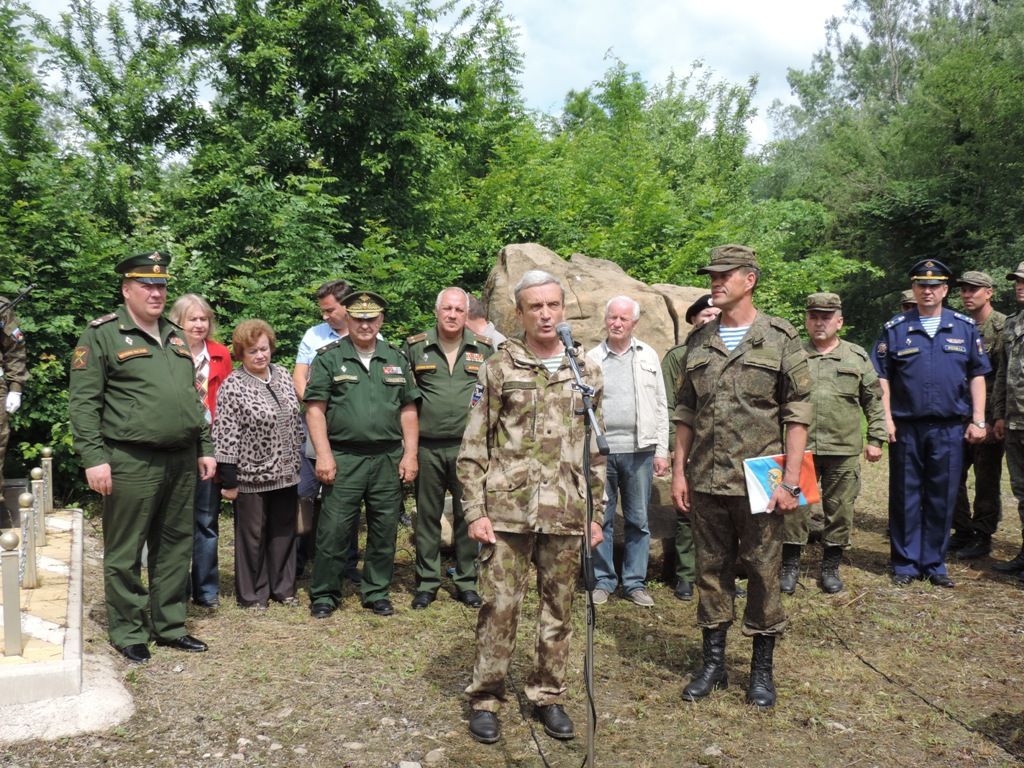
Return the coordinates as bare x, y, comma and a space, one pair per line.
987, 460
839, 477
503, 571
724, 528
1015, 465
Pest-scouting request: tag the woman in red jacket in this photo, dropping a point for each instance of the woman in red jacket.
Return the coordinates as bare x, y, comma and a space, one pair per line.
213, 365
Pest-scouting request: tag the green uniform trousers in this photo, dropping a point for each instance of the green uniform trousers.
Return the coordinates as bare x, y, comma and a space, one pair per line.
1014, 443
839, 477
987, 459
504, 576
151, 504
686, 561
437, 475
723, 527
370, 478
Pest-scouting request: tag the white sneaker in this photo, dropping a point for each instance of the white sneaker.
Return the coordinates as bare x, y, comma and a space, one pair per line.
600, 596
640, 597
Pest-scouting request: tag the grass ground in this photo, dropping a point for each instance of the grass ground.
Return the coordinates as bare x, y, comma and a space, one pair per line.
874, 676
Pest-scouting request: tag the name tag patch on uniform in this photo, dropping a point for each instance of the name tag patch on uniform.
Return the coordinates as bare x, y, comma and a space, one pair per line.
392, 370
478, 393
954, 348
474, 357
80, 358
954, 341
425, 368
346, 377
472, 368
128, 354
394, 380
907, 352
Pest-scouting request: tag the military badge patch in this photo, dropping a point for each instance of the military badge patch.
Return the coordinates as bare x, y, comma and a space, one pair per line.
474, 357
882, 349
478, 393
392, 370
80, 358
176, 341
18, 336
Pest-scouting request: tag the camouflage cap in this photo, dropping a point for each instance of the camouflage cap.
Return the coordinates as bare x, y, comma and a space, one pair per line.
907, 297
975, 278
364, 305
930, 272
1017, 274
727, 257
149, 267
824, 302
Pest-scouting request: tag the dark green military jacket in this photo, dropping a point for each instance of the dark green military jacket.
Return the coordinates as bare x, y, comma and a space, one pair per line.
672, 373
13, 369
991, 332
843, 384
738, 403
127, 387
446, 395
363, 407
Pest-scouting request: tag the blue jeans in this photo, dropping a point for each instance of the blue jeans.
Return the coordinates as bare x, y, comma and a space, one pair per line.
629, 477
205, 581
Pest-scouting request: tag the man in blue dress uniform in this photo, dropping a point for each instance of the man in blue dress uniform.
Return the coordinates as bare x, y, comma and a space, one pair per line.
931, 364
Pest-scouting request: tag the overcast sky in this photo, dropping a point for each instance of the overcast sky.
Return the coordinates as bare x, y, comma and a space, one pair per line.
570, 44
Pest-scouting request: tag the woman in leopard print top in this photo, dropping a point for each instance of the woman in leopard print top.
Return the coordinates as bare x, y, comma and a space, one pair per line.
257, 435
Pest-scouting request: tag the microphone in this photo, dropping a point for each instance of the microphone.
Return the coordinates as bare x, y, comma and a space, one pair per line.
564, 332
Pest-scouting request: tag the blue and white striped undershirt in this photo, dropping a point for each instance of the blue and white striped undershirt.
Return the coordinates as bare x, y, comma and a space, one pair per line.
732, 337
931, 325
552, 363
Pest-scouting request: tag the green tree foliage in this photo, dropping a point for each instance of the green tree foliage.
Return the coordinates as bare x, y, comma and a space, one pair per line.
909, 131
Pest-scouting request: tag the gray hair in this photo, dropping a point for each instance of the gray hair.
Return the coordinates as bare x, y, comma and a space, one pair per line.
185, 302
534, 278
634, 302
465, 296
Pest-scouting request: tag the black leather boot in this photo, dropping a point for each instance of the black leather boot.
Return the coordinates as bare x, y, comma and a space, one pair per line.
830, 581
761, 692
1011, 566
712, 676
790, 568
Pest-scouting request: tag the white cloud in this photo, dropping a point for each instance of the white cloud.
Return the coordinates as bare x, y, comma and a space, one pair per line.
565, 43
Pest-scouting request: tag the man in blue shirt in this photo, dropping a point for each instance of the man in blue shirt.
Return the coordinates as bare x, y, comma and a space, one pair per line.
931, 364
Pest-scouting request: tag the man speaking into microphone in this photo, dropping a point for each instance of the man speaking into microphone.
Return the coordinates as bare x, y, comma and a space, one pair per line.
524, 497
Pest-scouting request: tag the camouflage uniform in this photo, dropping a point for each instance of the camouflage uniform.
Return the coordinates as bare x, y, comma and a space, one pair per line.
14, 373
737, 405
844, 384
521, 465
986, 457
1009, 402
672, 369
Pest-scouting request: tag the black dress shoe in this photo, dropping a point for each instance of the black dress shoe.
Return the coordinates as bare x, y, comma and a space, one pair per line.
185, 643
469, 598
422, 600
483, 726
381, 607
321, 610
941, 580
137, 653
211, 603
557, 724
901, 579
684, 590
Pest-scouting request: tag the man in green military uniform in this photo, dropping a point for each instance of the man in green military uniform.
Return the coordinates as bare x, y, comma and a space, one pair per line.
844, 385
361, 412
972, 534
521, 469
1008, 409
697, 314
140, 429
12, 379
745, 393
445, 360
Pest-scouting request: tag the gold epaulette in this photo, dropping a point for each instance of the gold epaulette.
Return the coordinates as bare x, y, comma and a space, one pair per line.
105, 319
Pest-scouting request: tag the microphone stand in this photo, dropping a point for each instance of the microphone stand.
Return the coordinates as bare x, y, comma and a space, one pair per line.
590, 424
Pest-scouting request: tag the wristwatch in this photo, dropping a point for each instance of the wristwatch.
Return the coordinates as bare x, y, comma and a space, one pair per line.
980, 424
794, 490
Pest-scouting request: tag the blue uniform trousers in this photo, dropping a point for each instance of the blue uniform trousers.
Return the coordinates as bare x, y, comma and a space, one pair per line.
925, 464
